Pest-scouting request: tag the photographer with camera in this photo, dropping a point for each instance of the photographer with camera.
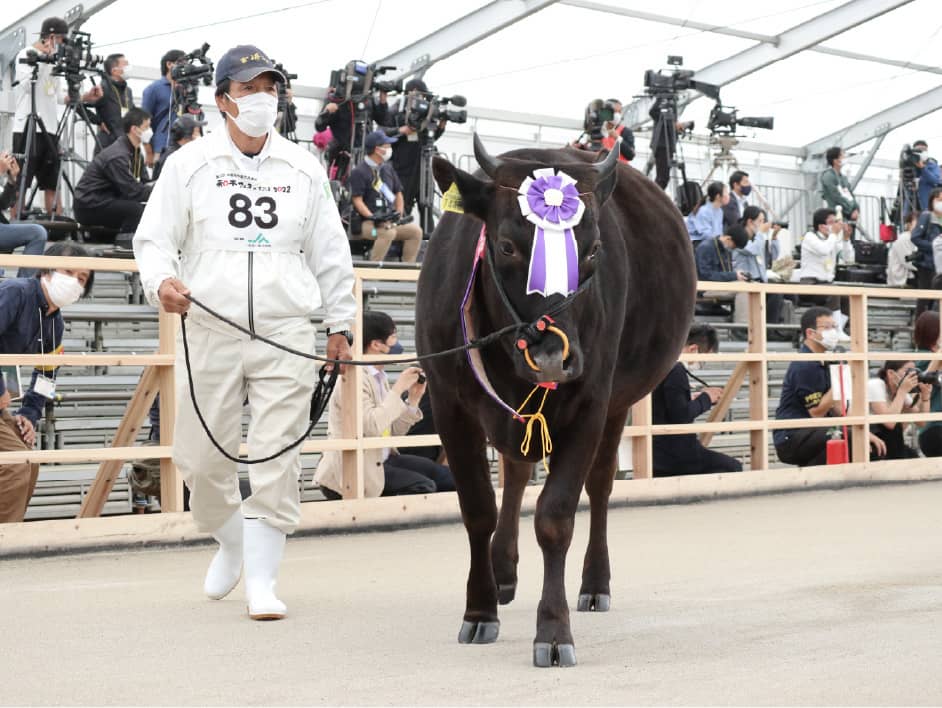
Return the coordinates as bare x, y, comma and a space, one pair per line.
926, 340
602, 127
387, 410
114, 187
930, 176
835, 187
821, 249
377, 199
115, 102
158, 101
32, 237
339, 114
925, 235
891, 392
39, 59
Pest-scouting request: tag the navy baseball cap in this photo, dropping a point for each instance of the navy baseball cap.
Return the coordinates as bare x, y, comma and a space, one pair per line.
53, 25
243, 63
377, 137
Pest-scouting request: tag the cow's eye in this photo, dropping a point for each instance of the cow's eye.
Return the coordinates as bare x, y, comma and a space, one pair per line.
507, 248
596, 247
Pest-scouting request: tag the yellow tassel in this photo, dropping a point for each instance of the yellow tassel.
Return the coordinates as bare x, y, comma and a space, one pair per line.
532, 418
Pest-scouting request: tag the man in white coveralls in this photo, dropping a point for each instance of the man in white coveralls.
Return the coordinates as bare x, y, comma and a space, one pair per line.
244, 220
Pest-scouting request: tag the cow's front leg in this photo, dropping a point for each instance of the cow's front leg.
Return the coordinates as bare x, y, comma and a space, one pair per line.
504, 553
555, 513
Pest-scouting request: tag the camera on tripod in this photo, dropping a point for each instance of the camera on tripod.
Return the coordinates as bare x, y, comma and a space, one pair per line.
423, 111
72, 59
725, 120
189, 72
357, 80
660, 84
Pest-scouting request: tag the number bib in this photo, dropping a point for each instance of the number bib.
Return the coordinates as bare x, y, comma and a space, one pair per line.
241, 211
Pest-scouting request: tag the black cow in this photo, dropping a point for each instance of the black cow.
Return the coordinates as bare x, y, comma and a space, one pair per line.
625, 327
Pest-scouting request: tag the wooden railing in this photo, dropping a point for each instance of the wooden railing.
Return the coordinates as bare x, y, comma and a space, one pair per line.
751, 369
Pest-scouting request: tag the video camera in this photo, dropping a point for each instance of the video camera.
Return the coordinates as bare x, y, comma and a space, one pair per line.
424, 110
660, 84
72, 59
725, 120
287, 113
188, 72
357, 80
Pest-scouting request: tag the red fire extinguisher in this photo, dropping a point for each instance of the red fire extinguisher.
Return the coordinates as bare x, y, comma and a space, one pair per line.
837, 452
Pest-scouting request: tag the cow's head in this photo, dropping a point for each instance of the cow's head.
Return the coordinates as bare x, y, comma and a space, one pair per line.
518, 250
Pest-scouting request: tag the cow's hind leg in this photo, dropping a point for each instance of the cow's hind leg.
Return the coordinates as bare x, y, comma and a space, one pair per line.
464, 443
504, 553
595, 595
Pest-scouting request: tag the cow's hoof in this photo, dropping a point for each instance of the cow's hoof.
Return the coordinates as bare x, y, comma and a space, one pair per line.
506, 593
546, 654
594, 603
478, 632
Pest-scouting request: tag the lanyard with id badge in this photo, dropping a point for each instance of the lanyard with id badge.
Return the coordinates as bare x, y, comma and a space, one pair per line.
44, 386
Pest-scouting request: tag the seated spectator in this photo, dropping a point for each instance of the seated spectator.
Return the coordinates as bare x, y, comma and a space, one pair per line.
928, 226
32, 237
715, 256
673, 403
386, 472
376, 189
706, 219
185, 129
739, 190
821, 248
112, 190
891, 393
926, 339
756, 257
31, 323
899, 261
807, 393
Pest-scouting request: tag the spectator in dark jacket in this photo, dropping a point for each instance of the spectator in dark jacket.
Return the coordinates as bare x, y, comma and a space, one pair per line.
185, 130
715, 256
116, 100
112, 191
927, 229
32, 237
338, 116
739, 189
673, 404
930, 176
31, 323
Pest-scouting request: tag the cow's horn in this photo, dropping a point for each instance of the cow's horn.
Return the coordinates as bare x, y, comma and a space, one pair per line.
605, 167
488, 164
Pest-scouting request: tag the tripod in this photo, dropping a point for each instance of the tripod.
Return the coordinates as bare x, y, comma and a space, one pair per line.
426, 195
664, 138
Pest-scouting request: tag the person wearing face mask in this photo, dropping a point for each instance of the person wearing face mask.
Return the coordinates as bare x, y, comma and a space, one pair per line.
116, 100
835, 187
924, 237
807, 393
754, 259
114, 187
31, 323
615, 129
387, 410
673, 404
185, 129
896, 390
821, 248
376, 189
706, 219
739, 189
930, 176
43, 162
246, 221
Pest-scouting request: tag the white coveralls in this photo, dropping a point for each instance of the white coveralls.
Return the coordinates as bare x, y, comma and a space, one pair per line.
260, 241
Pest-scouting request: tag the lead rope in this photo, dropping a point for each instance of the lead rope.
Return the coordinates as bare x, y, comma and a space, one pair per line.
539, 418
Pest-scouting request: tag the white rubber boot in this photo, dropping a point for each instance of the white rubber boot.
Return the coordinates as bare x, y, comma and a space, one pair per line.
225, 569
264, 546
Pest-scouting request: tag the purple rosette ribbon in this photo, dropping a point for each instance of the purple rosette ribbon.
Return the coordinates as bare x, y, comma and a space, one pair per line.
550, 201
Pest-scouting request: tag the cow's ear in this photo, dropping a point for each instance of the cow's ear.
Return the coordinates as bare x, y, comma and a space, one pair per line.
607, 171
473, 195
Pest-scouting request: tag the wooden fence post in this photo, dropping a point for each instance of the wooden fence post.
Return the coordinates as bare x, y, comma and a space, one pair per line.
171, 485
859, 374
758, 384
642, 452
352, 406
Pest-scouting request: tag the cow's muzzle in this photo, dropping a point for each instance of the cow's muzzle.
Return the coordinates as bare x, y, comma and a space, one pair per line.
546, 362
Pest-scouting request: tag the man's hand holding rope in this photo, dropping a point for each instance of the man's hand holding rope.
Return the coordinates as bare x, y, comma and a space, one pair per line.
172, 293
338, 348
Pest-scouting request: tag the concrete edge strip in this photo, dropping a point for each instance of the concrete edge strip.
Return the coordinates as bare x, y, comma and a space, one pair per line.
70, 536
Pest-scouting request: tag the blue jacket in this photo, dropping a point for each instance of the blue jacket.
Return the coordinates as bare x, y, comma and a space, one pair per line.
929, 178
707, 222
23, 316
714, 262
923, 235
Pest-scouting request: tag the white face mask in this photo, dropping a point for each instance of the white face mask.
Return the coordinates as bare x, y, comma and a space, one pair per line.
616, 118
147, 135
937, 206
257, 113
63, 289
829, 339
125, 71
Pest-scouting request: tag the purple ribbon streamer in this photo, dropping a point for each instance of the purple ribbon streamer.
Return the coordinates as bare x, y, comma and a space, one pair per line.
537, 279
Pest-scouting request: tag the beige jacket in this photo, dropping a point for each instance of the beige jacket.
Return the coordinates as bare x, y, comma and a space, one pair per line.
391, 416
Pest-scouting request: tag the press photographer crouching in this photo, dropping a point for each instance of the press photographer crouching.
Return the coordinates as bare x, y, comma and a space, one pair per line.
113, 188
31, 323
185, 130
377, 198
602, 127
899, 387
926, 339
